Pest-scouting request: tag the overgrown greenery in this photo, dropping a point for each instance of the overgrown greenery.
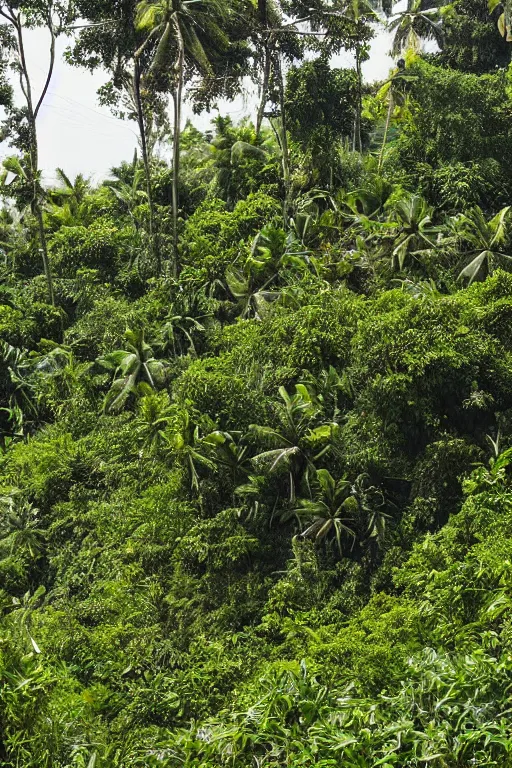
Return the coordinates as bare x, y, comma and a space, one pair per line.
256, 441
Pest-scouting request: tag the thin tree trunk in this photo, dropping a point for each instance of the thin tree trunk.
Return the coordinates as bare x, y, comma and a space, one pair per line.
44, 253
386, 129
155, 251
357, 143
263, 21
50, 69
264, 91
177, 99
284, 140
175, 179
26, 88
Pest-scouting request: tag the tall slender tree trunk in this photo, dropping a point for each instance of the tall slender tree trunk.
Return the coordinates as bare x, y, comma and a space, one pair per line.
263, 21
177, 99
264, 89
284, 139
32, 114
44, 253
155, 251
357, 143
386, 130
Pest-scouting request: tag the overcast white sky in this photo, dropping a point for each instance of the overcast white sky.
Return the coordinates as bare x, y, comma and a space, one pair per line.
78, 135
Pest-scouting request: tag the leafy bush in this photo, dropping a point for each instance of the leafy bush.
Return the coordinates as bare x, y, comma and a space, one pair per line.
102, 245
214, 235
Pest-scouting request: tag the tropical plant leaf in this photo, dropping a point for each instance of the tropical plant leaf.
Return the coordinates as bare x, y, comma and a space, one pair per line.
475, 266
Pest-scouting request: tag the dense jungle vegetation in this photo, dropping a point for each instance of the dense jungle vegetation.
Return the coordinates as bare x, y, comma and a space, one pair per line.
256, 402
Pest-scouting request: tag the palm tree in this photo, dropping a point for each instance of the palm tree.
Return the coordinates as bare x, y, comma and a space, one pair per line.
324, 390
485, 238
229, 453
394, 90
271, 249
414, 24
350, 510
185, 441
359, 11
154, 415
368, 202
128, 193
413, 216
67, 203
182, 325
254, 300
186, 31
73, 192
16, 19
19, 527
369, 510
178, 328
18, 389
252, 492
134, 368
11, 430
134, 88
269, 17
270, 29
330, 512
298, 442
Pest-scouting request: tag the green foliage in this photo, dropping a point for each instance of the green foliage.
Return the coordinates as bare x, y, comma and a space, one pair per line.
470, 40
134, 368
321, 105
102, 245
213, 388
213, 234
458, 118
102, 328
243, 162
487, 240
257, 511
457, 186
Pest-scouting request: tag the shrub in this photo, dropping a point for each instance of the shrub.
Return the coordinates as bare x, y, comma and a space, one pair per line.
101, 246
